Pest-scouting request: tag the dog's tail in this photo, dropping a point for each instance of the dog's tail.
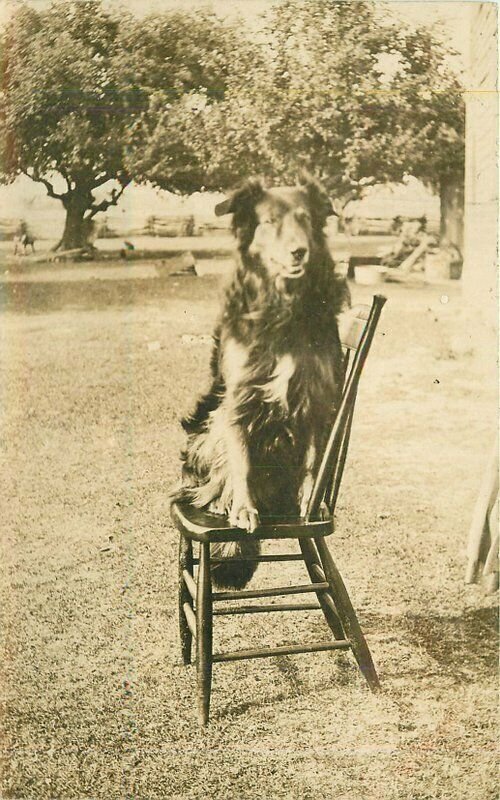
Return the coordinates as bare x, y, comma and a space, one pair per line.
233, 573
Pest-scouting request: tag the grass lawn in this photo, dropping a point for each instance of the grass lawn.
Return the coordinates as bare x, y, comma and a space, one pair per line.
94, 702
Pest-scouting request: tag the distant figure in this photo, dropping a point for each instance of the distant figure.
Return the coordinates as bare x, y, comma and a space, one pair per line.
23, 238
397, 224
351, 226
423, 223
129, 247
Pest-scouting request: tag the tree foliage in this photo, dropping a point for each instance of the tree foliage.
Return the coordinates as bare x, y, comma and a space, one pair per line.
64, 110
186, 101
177, 141
364, 99
334, 87
78, 81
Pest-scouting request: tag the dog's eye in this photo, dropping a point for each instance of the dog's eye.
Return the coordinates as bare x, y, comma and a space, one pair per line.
268, 221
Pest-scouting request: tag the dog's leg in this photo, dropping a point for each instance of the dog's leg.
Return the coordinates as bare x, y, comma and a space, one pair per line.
242, 514
308, 482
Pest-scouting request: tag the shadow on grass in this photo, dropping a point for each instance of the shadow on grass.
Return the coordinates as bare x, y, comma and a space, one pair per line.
23, 297
465, 648
469, 641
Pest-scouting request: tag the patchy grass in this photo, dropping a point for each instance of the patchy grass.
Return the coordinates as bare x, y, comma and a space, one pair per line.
94, 377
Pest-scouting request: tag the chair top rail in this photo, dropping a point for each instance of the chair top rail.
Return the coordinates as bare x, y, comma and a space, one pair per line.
352, 326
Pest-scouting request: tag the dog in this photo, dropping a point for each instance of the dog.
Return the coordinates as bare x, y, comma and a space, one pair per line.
24, 240
255, 439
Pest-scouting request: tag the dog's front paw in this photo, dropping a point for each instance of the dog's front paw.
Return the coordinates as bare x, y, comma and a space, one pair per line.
244, 517
218, 507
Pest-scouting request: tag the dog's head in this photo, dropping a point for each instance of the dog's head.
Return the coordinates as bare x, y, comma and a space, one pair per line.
278, 227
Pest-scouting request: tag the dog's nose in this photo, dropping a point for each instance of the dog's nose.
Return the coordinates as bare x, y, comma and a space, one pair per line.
299, 254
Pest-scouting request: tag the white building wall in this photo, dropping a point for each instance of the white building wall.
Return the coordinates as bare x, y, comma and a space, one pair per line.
480, 276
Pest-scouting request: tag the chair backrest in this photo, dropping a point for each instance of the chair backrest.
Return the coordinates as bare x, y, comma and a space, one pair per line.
357, 341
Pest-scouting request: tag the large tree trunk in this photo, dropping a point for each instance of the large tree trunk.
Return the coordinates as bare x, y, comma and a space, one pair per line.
77, 229
451, 196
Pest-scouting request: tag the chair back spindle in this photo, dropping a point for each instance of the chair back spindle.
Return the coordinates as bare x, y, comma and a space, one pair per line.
327, 483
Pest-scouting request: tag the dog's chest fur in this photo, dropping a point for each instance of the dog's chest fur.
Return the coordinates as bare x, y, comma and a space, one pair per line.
283, 403
276, 389
300, 381
293, 388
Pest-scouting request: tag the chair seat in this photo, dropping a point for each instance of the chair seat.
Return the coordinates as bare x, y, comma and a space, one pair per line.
201, 526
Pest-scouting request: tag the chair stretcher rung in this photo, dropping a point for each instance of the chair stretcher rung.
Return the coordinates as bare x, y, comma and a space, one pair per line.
260, 559
264, 608
190, 618
276, 591
190, 583
283, 650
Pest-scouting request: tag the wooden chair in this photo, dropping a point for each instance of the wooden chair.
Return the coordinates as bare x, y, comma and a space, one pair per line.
198, 603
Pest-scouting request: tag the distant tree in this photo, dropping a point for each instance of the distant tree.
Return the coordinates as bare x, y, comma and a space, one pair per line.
364, 98
431, 124
78, 80
354, 97
63, 113
200, 139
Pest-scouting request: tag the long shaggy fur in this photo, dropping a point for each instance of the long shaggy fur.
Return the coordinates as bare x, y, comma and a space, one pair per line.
277, 372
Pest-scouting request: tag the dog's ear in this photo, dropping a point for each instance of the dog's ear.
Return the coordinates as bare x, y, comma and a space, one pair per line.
244, 198
318, 198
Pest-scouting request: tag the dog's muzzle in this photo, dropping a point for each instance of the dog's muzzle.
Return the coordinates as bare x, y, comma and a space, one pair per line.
293, 272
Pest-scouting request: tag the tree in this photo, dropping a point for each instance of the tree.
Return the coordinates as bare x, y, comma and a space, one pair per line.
366, 99
353, 97
78, 80
199, 141
431, 113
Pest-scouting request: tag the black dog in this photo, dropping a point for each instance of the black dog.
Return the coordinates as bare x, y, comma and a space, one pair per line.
277, 368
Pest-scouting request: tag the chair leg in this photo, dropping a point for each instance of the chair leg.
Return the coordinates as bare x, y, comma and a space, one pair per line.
185, 562
348, 616
312, 560
204, 634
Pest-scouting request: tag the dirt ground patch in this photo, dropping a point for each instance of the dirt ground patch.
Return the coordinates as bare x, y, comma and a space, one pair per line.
94, 378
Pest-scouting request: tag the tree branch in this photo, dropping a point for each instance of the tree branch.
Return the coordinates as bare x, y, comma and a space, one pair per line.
103, 179
50, 189
341, 202
66, 177
355, 192
105, 204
